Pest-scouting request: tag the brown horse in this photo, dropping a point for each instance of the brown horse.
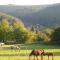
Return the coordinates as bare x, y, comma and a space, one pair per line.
36, 53
47, 54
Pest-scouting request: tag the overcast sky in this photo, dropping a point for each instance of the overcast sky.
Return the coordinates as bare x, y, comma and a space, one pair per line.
28, 2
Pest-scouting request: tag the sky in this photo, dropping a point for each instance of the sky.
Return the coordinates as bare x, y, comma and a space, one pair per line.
28, 2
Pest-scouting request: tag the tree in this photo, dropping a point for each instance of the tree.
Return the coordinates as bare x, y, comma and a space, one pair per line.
1, 34
4, 28
33, 28
55, 37
48, 31
22, 34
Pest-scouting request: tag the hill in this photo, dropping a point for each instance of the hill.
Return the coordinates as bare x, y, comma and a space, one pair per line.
45, 15
10, 18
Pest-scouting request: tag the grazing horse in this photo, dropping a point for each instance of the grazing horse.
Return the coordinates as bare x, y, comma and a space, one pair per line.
15, 47
36, 53
1, 44
48, 54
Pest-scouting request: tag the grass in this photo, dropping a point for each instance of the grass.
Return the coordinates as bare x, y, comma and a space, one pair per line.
7, 54
25, 58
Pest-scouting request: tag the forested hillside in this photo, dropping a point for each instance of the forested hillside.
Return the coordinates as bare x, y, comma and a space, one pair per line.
13, 30
45, 15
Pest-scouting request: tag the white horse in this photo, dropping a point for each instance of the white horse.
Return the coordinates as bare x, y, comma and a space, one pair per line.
15, 47
1, 44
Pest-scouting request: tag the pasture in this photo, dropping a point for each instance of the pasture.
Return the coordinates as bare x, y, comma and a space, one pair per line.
7, 54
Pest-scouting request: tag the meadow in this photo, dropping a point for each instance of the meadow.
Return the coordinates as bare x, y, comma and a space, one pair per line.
7, 54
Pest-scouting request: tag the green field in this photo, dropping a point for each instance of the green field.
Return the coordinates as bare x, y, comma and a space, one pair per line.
7, 54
